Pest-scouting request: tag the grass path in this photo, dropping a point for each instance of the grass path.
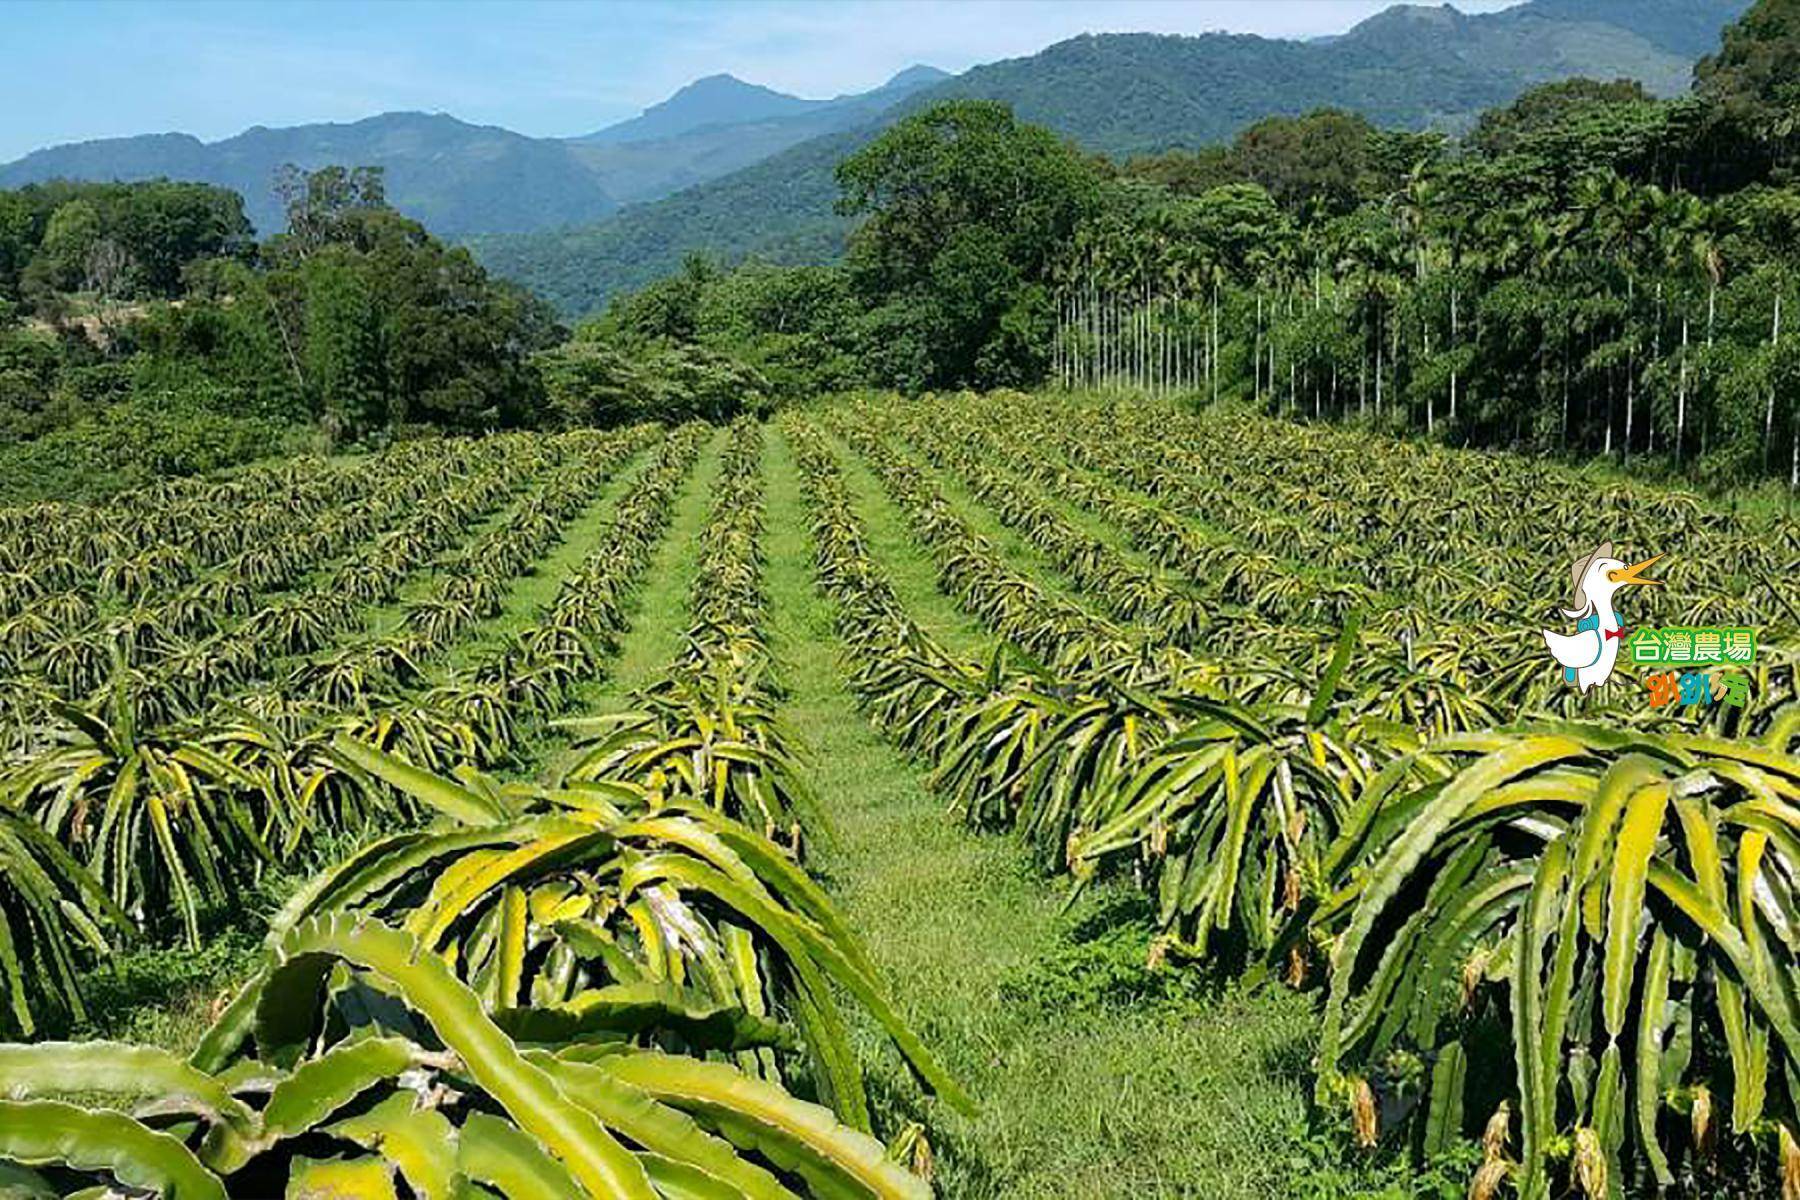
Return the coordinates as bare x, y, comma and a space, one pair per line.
657, 613
659, 616
537, 588
1090, 1085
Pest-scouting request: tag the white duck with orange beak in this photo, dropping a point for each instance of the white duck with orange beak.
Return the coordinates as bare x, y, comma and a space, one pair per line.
1589, 654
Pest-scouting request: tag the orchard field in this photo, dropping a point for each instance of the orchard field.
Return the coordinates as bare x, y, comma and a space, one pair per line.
983, 796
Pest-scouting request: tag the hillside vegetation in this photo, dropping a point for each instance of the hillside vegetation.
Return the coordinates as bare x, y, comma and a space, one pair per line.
1592, 271
144, 332
729, 168
1122, 95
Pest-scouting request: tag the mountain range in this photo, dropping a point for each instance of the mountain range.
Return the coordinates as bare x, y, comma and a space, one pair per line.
735, 169
462, 179
1123, 94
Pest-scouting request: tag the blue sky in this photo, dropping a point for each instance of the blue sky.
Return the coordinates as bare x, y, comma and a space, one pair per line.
79, 69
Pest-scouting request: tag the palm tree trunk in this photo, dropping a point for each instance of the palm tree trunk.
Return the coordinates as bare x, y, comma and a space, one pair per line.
1681, 393
1607, 450
1145, 362
1453, 340
1394, 365
1160, 344
1378, 366
1056, 344
1103, 347
1102, 338
1256, 354
1655, 357
1430, 405
1190, 361
1630, 400
1109, 339
1769, 413
1082, 345
1064, 344
1138, 361
1088, 342
1274, 394
1097, 347
1085, 363
1630, 374
1212, 353
1565, 391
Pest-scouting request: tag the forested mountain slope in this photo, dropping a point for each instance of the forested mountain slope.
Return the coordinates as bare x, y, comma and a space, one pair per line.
462, 179
455, 177
1122, 94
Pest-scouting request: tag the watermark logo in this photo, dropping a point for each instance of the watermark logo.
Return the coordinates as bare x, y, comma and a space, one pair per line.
1690, 646
1697, 687
1589, 655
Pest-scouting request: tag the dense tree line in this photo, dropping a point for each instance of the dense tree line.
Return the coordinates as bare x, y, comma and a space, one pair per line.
962, 212
119, 240
149, 307
1590, 270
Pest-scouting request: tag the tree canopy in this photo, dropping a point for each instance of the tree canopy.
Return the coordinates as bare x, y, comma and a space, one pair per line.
1590, 270
152, 299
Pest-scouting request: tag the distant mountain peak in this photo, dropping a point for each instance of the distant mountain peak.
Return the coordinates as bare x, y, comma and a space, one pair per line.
1409, 20
720, 99
916, 76
722, 83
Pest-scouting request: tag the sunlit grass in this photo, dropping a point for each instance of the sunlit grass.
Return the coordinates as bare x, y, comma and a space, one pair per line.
1136, 1095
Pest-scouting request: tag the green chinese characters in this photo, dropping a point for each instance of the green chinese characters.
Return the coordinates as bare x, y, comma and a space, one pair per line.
1684, 645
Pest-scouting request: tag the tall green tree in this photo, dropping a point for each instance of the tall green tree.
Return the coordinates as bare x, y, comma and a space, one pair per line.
963, 209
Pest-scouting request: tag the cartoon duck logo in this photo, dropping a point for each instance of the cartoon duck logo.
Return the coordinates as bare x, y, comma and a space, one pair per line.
1589, 654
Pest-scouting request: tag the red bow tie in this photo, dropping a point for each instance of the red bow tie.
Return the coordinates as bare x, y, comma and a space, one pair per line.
1614, 633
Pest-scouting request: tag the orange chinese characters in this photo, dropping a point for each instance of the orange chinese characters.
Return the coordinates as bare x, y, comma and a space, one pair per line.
1663, 687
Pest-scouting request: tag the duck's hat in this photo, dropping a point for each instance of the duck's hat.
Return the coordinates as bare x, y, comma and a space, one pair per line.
1603, 550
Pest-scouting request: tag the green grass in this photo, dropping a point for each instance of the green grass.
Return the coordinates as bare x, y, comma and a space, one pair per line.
537, 588
1094, 1078
657, 616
